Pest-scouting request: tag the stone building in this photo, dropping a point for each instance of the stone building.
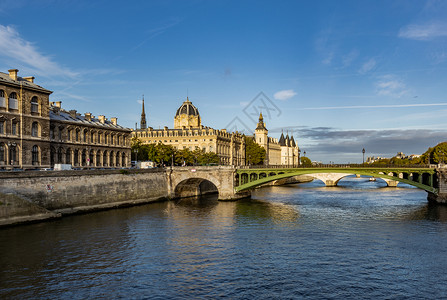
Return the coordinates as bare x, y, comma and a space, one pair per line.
86, 140
35, 134
283, 152
189, 133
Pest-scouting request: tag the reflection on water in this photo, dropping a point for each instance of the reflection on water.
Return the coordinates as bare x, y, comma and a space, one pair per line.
359, 240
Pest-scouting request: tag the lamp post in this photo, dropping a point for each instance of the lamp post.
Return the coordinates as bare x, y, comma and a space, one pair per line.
299, 154
363, 151
136, 156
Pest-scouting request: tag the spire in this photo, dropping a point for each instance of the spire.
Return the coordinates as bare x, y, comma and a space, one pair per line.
143, 118
261, 124
282, 140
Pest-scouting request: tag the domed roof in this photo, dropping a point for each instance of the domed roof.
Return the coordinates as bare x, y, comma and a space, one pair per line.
187, 108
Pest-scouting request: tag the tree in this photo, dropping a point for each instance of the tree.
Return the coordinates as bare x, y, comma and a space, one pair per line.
163, 153
254, 154
305, 161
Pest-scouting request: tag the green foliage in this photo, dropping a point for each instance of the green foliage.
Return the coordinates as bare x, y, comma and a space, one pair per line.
305, 161
163, 154
254, 154
435, 155
124, 172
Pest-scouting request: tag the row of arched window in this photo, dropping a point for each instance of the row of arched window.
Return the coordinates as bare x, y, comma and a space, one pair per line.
88, 158
13, 102
88, 136
9, 155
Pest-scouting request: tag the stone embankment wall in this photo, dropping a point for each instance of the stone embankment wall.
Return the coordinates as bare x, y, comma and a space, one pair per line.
30, 196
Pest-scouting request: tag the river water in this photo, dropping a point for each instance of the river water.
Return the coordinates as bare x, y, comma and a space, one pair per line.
360, 240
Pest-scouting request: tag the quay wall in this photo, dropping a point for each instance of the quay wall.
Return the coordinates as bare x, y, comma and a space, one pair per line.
32, 196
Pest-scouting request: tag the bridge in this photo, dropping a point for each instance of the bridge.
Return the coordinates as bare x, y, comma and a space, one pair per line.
421, 177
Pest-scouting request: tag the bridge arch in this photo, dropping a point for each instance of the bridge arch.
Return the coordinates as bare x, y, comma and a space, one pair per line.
193, 187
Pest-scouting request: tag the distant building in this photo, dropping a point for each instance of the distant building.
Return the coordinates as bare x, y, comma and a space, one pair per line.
189, 133
35, 134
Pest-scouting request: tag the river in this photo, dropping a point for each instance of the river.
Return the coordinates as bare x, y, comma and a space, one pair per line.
360, 240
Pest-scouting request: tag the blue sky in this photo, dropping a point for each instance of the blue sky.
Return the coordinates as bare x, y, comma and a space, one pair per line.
338, 75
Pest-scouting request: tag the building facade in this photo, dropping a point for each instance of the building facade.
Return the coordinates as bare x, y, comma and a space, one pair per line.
284, 152
37, 134
189, 133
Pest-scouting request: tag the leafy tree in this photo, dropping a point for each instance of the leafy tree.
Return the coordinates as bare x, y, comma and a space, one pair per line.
437, 154
254, 154
305, 161
163, 153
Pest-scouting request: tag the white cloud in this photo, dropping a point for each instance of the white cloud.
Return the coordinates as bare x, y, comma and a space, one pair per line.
19, 51
392, 86
422, 32
368, 66
284, 94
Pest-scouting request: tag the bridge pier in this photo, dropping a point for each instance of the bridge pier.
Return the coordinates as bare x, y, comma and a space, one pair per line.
391, 183
329, 179
441, 196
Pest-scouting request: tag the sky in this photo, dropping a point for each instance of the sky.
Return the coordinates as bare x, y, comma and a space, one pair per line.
339, 76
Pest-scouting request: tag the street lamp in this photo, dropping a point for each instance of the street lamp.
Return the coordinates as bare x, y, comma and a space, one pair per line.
299, 154
363, 151
136, 156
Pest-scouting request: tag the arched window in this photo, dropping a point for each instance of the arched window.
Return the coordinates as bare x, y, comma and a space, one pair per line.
60, 133
2, 154
2, 126
117, 159
35, 129
85, 136
98, 158
13, 154
13, 103
123, 160
90, 158
92, 137
35, 155
14, 128
111, 159
76, 157
77, 135
52, 155
84, 158
34, 105
59, 155
68, 156
99, 138
52, 132
104, 159
2, 99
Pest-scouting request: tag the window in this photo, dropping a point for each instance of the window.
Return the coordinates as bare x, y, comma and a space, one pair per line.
69, 134
99, 138
2, 154
2, 98
14, 128
68, 156
85, 136
77, 135
98, 158
60, 133
13, 154
35, 155
13, 103
59, 155
92, 135
34, 105
51, 132
35, 130
2, 126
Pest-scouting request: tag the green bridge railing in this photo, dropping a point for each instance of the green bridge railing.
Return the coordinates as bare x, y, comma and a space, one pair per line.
422, 177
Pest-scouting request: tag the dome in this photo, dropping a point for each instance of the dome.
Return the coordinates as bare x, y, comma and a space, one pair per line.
187, 108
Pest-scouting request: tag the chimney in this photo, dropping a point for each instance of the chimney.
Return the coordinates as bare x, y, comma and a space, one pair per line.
102, 119
166, 128
58, 104
88, 116
29, 79
114, 121
73, 113
13, 74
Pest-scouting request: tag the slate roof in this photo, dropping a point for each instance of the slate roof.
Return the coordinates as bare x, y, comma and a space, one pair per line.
4, 78
64, 115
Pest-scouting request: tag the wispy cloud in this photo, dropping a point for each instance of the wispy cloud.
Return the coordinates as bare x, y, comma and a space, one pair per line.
19, 51
427, 31
284, 94
349, 58
154, 32
368, 66
372, 106
390, 85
